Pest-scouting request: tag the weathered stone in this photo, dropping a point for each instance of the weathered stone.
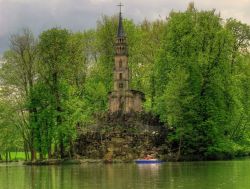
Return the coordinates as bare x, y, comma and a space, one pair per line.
122, 98
114, 138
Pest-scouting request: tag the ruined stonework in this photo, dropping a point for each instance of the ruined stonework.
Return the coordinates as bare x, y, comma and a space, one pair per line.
122, 137
122, 98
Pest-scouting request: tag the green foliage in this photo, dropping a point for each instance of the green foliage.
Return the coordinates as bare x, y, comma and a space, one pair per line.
193, 69
196, 91
10, 137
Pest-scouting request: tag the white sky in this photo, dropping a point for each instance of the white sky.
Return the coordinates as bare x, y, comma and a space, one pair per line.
76, 15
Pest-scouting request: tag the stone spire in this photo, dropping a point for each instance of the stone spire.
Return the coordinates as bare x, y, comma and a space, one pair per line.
122, 98
121, 42
120, 31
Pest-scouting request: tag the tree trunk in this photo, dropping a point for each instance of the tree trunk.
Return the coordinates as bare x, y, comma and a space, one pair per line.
32, 113
6, 156
49, 151
56, 94
41, 156
61, 148
33, 153
9, 156
26, 152
179, 149
72, 150
16, 154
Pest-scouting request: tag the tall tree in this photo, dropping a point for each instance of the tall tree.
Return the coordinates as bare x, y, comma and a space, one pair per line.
53, 64
195, 50
18, 74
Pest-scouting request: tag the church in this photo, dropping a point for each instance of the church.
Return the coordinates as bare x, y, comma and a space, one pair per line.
122, 98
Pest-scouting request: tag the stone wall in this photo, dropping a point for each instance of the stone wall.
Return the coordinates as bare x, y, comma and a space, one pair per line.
123, 137
129, 101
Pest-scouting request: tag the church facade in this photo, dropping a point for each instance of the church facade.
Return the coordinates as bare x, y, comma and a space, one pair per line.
122, 98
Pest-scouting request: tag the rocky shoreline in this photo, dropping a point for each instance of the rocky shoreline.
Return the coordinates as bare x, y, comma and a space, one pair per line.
125, 137
73, 161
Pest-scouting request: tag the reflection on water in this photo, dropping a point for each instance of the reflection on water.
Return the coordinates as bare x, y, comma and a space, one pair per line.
189, 175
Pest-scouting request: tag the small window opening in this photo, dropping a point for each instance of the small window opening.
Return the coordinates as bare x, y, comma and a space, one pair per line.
120, 63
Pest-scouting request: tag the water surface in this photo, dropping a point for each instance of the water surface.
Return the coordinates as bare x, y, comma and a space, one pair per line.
188, 175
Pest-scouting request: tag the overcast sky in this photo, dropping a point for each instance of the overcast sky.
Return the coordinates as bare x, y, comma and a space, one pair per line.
77, 15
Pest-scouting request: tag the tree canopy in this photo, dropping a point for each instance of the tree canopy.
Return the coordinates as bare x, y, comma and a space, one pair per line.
194, 68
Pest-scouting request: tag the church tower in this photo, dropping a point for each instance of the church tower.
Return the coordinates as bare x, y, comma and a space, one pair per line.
121, 70
123, 99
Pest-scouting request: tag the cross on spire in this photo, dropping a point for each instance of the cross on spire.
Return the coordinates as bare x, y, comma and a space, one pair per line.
120, 5
120, 31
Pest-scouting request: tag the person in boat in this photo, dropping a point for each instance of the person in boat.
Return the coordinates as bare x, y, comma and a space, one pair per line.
148, 157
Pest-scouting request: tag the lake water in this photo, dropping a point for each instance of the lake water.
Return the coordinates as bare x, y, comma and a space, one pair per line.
188, 175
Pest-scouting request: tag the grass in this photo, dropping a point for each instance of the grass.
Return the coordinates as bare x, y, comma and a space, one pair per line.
15, 155
18, 156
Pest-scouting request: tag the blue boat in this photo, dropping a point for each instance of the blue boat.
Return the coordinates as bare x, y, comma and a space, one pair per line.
148, 161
